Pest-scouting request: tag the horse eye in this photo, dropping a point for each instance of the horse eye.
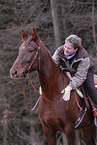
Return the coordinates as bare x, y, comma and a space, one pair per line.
30, 50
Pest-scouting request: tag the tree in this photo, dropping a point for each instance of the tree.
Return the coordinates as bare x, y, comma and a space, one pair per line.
57, 22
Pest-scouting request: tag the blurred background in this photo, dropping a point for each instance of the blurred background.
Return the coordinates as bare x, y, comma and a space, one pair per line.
53, 20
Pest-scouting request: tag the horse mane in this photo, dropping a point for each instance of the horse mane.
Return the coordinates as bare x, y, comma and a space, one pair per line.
51, 77
46, 51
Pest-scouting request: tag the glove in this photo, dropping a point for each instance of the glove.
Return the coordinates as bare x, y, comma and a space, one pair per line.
66, 92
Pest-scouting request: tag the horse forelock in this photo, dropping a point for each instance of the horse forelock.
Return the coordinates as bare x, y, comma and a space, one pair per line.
27, 42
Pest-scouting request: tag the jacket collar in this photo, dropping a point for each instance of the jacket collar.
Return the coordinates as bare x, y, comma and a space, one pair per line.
71, 56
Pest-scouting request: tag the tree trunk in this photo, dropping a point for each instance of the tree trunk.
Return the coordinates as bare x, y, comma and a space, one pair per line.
57, 22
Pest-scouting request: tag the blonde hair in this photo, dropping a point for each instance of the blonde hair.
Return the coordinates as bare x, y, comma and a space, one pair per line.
75, 40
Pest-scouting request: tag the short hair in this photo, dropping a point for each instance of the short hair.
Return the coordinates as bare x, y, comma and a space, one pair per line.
75, 40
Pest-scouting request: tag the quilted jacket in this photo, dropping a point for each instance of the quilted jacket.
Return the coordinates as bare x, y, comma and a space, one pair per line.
78, 65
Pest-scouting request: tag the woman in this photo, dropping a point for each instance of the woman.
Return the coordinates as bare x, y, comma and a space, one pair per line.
74, 58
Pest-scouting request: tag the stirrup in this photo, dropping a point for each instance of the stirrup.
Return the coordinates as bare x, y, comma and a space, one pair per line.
95, 121
80, 117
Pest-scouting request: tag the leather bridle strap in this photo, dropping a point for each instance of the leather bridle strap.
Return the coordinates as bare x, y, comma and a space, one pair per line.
43, 96
32, 85
24, 94
37, 52
38, 93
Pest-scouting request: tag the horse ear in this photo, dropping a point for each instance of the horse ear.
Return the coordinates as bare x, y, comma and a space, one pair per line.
24, 35
34, 35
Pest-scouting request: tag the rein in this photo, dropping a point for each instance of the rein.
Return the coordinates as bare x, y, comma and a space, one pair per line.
25, 94
43, 96
37, 93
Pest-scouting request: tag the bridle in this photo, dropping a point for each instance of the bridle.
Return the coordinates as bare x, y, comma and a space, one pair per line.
37, 52
35, 57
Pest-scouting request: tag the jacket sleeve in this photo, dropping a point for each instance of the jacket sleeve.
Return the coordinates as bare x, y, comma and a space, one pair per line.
81, 73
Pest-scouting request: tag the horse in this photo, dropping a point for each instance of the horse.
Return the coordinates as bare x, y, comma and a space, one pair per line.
55, 114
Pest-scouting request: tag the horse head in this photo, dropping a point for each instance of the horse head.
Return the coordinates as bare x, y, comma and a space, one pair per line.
28, 55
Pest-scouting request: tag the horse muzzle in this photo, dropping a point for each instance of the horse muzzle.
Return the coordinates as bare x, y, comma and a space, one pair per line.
16, 74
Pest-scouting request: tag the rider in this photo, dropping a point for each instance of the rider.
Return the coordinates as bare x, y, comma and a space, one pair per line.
74, 58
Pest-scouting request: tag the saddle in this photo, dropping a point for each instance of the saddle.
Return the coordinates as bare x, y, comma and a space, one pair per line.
86, 105
82, 93
87, 99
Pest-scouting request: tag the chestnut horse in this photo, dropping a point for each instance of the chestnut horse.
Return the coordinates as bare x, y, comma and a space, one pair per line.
54, 115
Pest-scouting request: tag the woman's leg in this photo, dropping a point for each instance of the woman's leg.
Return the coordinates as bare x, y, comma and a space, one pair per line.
90, 87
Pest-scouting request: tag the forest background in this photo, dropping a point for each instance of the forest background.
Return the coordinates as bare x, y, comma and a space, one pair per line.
53, 20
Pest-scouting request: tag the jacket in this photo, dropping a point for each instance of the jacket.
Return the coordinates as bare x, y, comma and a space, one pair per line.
78, 65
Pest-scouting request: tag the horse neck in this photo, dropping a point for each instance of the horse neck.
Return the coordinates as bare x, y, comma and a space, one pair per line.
50, 77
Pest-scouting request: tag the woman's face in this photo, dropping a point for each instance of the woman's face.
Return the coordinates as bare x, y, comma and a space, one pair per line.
69, 49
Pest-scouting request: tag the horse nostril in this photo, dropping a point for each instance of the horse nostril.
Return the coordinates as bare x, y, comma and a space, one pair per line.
15, 73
